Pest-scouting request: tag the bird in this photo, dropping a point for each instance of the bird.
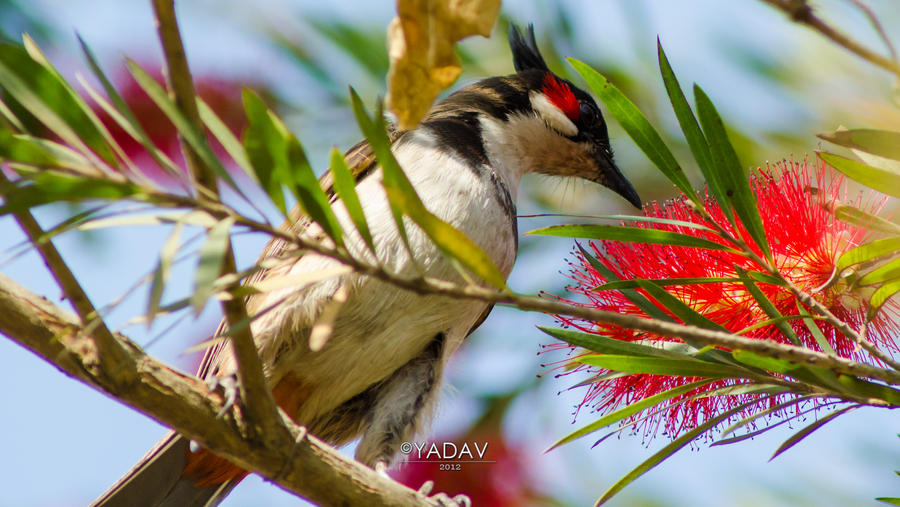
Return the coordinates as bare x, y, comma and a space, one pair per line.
379, 375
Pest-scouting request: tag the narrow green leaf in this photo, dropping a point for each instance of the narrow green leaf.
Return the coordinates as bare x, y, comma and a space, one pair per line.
605, 345
345, 188
868, 389
856, 216
678, 307
265, 148
661, 366
404, 200
691, 129
867, 252
767, 306
886, 182
882, 274
628, 411
746, 388
381, 146
814, 329
161, 273
308, 191
669, 450
636, 126
881, 296
43, 92
883, 143
195, 138
731, 175
627, 219
805, 432
765, 363
123, 115
212, 256
889, 500
49, 186
226, 138
638, 299
629, 234
666, 282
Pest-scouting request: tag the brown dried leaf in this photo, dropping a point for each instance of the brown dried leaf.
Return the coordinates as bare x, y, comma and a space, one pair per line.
420, 44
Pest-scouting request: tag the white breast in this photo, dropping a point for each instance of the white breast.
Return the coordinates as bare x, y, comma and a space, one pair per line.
381, 327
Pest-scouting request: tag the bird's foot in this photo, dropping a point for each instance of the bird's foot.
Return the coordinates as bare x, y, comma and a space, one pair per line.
227, 386
443, 499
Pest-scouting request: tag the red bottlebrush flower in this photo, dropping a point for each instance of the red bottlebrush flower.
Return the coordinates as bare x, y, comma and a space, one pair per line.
806, 240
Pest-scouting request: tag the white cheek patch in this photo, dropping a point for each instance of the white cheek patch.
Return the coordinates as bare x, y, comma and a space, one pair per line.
553, 115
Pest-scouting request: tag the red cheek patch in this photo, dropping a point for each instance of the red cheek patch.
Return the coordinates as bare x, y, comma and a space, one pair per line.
560, 95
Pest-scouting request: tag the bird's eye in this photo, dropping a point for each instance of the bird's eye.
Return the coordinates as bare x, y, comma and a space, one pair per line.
587, 114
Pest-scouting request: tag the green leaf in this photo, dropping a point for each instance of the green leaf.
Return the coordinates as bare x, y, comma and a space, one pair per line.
805, 432
638, 299
868, 389
404, 199
49, 186
814, 329
889, 500
125, 118
883, 143
866, 220
881, 296
628, 218
678, 307
226, 138
161, 273
628, 411
212, 257
43, 92
308, 191
886, 182
605, 345
345, 188
637, 127
765, 363
882, 274
628, 234
668, 282
661, 366
731, 175
867, 252
195, 138
669, 450
767, 306
691, 129
265, 148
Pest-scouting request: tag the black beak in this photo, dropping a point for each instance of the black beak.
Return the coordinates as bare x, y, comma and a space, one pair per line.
613, 179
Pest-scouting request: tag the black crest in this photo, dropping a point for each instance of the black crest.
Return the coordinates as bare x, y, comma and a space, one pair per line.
524, 49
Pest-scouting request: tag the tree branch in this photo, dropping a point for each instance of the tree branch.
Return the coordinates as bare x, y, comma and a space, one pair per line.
256, 396
308, 467
800, 12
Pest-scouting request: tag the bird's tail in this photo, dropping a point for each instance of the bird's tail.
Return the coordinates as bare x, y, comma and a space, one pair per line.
159, 480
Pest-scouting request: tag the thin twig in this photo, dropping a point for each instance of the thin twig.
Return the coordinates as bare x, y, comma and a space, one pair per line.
876, 24
800, 12
113, 356
256, 396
